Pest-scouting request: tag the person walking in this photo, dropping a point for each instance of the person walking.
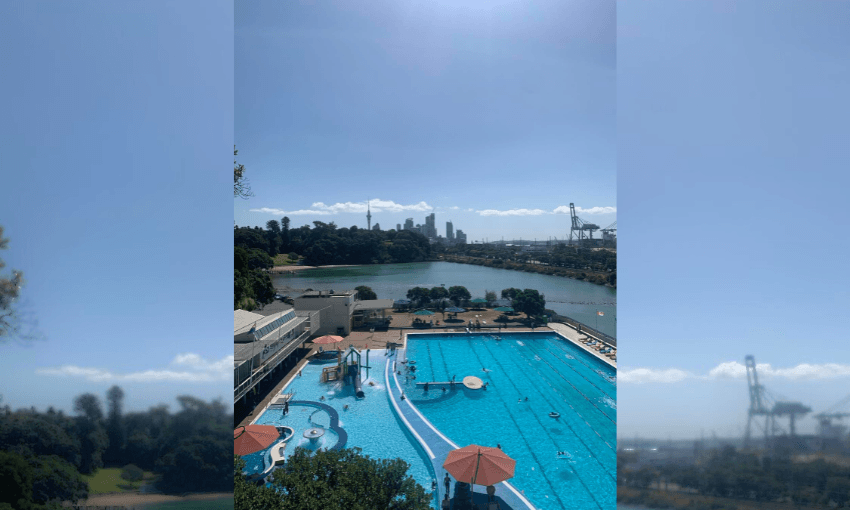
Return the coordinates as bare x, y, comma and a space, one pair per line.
448, 482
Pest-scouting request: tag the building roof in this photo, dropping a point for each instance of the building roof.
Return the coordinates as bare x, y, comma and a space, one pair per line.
373, 304
243, 319
263, 324
327, 293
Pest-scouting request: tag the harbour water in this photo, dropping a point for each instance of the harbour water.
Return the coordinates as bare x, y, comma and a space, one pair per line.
574, 298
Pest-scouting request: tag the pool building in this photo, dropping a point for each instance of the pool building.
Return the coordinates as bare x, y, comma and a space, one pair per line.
542, 398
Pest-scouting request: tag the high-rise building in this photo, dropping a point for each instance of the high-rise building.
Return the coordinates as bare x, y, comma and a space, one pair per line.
430, 227
449, 231
460, 237
377, 226
398, 227
408, 224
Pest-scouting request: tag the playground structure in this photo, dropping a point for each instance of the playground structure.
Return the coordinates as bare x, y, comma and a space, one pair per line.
348, 369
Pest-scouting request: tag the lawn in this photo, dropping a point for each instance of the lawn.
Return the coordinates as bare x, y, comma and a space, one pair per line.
107, 480
215, 504
283, 259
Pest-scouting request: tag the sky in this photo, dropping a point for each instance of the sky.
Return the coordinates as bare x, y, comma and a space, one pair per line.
115, 151
732, 185
493, 115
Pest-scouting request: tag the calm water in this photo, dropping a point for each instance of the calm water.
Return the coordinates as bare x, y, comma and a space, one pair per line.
554, 375
573, 298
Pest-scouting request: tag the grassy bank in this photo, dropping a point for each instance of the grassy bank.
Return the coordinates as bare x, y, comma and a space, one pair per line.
214, 504
655, 500
108, 480
596, 277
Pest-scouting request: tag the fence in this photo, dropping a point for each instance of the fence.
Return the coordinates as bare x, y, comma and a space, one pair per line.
608, 339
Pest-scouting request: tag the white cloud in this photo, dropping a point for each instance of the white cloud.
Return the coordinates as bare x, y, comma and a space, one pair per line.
651, 375
565, 209
736, 370
561, 209
512, 212
376, 206
187, 367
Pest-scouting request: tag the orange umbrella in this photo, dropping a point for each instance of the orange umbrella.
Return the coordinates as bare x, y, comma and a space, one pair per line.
479, 465
253, 438
327, 339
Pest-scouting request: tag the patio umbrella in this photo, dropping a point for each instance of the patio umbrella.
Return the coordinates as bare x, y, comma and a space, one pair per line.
479, 465
327, 339
423, 312
403, 302
478, 300
504, 309
253, 438
455, 309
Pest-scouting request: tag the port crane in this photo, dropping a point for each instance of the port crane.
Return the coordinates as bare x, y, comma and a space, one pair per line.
580, 230
763, 404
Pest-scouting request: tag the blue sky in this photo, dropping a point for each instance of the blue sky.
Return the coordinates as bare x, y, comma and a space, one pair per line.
732, 179
495, 115
115, 151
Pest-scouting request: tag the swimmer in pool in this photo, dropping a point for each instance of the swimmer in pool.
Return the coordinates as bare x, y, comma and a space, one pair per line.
345, 407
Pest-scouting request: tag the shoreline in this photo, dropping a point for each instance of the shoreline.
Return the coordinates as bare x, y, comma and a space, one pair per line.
131, 499
295, 269
524, 268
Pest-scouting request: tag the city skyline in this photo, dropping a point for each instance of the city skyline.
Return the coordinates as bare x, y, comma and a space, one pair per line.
394, 214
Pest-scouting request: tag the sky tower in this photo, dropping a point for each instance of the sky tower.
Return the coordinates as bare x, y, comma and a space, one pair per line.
368, 217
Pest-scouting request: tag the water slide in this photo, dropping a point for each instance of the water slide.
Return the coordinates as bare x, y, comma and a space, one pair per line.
355, 378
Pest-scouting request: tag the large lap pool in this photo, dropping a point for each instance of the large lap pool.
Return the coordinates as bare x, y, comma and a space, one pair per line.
556, 376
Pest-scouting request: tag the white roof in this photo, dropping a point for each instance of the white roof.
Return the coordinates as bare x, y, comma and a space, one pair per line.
243, 319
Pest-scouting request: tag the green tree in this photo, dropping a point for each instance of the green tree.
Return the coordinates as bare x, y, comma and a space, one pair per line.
93, 438
11, 322
249, 496
55, 481
490, 295
364, 293
510, 293
115, 429
419, 295
531, 302
438, 293
241, 188
16, 479
347, 479
458, 294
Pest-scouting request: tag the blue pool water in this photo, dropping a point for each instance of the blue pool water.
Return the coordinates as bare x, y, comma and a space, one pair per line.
555, 375
370, 423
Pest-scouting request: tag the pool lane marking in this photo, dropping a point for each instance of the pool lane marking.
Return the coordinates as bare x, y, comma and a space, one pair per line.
401, 415
449, 441
543, 427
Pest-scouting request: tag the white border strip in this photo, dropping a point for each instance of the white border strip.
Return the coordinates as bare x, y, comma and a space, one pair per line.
398, 411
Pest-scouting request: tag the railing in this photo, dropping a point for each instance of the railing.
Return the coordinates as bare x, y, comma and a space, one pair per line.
271, 363
585, 329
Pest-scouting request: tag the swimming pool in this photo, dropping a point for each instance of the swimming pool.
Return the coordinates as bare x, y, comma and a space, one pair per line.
369, 423
555, 375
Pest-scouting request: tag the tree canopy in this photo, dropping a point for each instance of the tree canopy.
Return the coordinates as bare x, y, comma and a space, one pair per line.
365, 293
241, 188
10, 290
334, 479
530, 302
189, 449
